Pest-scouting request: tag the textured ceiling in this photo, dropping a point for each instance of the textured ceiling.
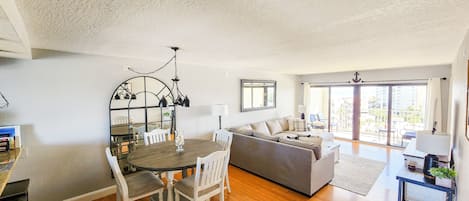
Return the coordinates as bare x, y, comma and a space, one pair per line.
301, 36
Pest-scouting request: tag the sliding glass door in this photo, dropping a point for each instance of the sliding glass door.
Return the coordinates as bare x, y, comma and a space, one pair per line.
374, 114
384, 114
408, 110
341, 112
319, 114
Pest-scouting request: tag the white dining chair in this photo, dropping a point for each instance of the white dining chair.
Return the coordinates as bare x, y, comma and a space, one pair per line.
224, 138
134, 186
155, 136
206, 182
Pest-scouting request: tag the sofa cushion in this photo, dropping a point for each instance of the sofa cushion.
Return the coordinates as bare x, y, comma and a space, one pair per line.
284, 124
312, 139
264, 136
274, 126
285, 135
316, 148
300, 125
261, 127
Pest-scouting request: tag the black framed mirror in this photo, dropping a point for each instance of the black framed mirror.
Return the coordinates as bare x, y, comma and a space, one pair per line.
258, 95
139, 104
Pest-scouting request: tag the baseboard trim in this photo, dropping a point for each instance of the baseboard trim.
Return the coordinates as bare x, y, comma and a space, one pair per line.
94, 194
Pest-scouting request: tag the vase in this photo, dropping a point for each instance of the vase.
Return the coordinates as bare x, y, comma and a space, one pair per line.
179, 142
444, 182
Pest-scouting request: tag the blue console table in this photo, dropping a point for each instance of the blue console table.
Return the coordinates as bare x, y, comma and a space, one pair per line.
406, 176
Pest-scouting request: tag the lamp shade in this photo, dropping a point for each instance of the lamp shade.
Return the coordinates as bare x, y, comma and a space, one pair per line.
301, 109
436, 144
220, 110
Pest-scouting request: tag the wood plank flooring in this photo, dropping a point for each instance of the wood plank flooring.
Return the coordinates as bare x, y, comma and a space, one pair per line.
246, 186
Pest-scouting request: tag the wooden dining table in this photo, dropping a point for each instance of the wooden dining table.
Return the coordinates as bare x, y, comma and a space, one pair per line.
162, 157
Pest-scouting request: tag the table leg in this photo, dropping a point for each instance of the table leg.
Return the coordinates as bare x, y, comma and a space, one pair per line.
400, 194
170, 177
184, 172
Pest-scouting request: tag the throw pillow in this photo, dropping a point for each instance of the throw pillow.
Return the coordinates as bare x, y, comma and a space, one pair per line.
300, 125
284, 124
274, 126
261, 127
264, 136
291, 124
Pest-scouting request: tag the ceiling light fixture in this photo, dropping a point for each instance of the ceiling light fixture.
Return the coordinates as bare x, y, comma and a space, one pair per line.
180, 99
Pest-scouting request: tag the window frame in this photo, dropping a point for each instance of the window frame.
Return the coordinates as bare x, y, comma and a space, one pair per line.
266, 94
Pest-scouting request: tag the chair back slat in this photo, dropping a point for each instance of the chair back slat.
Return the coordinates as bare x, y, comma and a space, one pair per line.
223, 138
214, 168
122, 188
155, 136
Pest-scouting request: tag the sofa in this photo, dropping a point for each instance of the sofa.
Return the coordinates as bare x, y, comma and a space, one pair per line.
273, 150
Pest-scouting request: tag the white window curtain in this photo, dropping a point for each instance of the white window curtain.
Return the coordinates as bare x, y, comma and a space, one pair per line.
307, 100
433, 106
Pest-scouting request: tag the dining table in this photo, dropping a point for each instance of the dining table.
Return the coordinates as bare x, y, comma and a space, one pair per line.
163, 157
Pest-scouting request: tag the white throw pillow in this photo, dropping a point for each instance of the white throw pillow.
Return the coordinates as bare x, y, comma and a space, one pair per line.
274, 126
283, 123
291, 124
261, 127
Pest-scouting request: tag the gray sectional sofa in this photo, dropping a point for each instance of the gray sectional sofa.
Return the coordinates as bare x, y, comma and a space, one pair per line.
280, 157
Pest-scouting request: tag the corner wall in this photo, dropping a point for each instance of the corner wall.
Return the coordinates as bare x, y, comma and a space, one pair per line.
61, 101
458, 118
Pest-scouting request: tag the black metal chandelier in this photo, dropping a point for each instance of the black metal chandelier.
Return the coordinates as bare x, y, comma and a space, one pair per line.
179, 97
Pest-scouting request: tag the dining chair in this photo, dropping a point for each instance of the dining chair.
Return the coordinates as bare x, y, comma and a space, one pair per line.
206, 182
224, 138
155, 136
134, 186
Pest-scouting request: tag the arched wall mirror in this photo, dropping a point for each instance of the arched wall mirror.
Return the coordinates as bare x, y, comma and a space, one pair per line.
140, 104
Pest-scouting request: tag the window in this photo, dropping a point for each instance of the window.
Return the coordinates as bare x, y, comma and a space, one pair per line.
258, 94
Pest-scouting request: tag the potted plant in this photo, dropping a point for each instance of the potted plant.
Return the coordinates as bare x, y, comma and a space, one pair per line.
443, 176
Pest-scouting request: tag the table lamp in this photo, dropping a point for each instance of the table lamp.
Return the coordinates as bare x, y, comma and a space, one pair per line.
433, 145
302, 110
219, 110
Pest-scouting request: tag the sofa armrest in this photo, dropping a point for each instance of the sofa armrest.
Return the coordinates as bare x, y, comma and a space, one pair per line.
322, 171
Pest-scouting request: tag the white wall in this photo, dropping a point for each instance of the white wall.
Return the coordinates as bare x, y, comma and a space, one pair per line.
408, 73
458, 118
61, 100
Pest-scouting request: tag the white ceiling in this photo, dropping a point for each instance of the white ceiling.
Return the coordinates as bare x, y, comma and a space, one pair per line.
297, 36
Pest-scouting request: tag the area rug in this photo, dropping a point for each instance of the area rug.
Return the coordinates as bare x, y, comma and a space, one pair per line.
356, 174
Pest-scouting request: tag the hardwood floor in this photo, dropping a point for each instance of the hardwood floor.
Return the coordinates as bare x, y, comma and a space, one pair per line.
246, 186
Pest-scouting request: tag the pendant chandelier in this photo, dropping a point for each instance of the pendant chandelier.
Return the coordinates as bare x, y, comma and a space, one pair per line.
179, 98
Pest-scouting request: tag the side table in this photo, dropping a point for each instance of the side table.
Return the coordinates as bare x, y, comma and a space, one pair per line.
332, 147
406, 176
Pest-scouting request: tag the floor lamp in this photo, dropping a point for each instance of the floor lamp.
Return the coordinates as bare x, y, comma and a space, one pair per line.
219, 110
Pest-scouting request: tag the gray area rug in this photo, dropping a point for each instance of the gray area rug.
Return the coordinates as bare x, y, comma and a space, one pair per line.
356, 174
